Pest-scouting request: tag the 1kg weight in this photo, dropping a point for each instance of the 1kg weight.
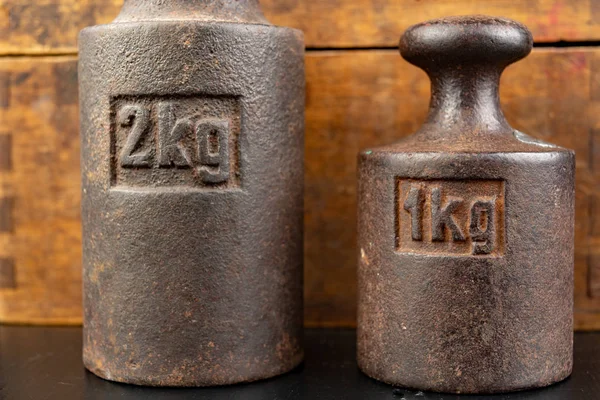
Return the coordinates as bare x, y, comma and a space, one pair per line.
466, 230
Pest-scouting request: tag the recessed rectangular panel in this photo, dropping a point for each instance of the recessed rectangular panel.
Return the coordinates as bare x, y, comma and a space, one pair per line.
450, 217
188, 141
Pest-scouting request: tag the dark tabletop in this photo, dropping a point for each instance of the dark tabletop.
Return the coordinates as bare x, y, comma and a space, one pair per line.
45, 364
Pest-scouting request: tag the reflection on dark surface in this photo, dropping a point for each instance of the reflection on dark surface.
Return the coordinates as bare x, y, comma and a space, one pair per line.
285, 387
45, 363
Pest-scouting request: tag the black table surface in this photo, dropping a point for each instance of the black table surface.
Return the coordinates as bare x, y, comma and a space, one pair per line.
45, 364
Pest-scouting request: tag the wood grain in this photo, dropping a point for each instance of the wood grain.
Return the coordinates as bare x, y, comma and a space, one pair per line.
51, 26
40, 241
356, 99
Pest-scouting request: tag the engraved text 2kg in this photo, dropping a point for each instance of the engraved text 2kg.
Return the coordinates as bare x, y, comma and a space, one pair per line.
184, 141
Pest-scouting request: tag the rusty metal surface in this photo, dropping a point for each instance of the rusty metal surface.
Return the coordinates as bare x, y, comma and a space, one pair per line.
466, 230
192, 156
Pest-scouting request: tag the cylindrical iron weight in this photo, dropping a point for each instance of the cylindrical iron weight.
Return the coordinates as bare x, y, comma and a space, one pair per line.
192, 129
466, 230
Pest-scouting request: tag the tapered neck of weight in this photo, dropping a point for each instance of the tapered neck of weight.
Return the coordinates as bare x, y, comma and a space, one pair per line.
237, 11
467, 99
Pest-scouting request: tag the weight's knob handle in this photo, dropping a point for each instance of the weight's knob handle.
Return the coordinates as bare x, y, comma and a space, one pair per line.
464, 58
482, 42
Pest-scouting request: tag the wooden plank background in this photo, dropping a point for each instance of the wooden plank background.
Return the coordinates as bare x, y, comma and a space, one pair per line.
40, 242
51, 26
360, 94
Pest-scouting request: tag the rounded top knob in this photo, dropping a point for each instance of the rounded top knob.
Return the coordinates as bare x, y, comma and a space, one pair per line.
466, 40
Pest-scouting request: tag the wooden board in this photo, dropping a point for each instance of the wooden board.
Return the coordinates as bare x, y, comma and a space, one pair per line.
356, 99
40, 240
51, 26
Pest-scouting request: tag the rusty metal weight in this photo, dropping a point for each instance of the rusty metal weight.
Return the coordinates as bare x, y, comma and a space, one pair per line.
192, 130
466, 230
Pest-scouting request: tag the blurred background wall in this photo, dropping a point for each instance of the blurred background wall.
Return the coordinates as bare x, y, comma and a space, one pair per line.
360, 94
